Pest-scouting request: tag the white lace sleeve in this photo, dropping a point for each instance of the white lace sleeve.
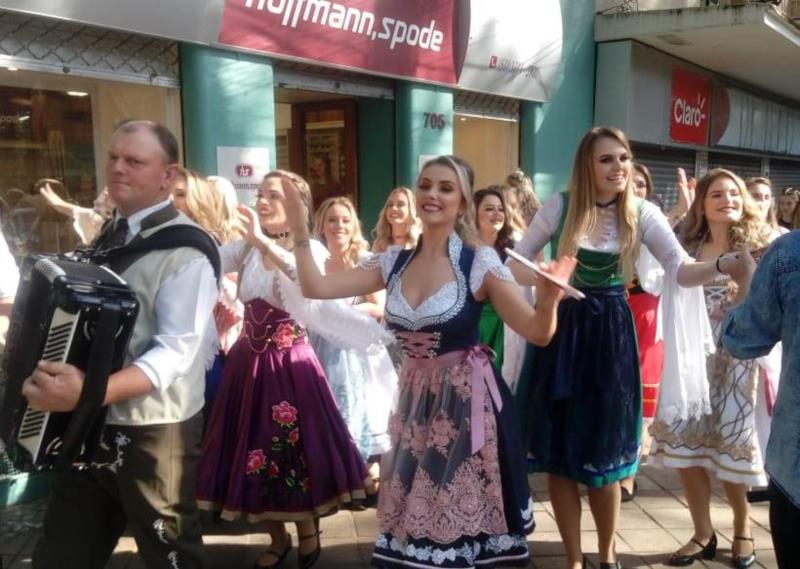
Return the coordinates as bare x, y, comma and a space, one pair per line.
487, 261
335, 320
230, 256
659, 237
542, 228
385, 261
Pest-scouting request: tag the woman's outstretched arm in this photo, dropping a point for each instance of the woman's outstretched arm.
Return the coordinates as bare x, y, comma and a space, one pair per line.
536, 325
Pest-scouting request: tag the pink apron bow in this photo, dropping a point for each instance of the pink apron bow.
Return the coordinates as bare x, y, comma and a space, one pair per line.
482, 378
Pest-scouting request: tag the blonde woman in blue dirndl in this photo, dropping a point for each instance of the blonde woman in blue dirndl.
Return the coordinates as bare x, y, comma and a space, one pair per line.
454, 490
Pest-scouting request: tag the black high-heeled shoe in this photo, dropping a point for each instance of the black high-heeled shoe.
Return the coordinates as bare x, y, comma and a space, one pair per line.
280, 556
744, 561
708, 552
308, 560
629, 496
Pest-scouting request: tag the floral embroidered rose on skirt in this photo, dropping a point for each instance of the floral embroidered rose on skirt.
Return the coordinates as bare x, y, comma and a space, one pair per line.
276, 446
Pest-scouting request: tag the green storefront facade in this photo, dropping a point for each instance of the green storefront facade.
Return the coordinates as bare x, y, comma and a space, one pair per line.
233, 98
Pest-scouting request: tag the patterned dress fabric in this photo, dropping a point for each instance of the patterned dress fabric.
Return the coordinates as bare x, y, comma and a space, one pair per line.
454, 491
725, 442
276, 446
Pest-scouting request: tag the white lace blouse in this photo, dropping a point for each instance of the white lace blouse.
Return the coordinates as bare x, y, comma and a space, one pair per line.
654, 231
686, 328
324, 317
446, 301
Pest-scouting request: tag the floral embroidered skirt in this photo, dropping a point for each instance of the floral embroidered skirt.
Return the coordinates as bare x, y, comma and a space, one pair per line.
443, 501
276, 446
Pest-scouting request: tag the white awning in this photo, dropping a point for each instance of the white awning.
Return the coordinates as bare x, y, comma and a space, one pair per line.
753, 43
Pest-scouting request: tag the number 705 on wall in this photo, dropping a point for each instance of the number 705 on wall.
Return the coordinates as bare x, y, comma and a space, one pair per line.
435, 121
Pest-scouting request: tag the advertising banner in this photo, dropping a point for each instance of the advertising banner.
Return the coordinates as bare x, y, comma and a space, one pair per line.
506, 47
245, 167
513, 48
690, 115
413, 38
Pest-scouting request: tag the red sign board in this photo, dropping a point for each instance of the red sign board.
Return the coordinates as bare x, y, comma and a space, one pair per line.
689, 115
411, 38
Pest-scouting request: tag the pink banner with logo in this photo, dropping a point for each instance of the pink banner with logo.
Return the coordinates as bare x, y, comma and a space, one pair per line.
406, 38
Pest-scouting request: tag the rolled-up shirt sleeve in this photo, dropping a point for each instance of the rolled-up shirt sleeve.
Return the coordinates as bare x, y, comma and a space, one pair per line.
184, 306
752, 329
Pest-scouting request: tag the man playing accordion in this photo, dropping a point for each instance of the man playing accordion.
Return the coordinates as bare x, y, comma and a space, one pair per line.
144, 471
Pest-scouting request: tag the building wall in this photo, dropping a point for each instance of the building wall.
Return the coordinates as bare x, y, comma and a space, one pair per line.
228, 100
376, 150
551, 131
490, 146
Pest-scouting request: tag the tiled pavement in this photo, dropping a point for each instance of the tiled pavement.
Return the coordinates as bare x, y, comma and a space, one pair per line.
651, 527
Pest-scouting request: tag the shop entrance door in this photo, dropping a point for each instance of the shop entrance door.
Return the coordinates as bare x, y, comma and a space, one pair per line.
322, 147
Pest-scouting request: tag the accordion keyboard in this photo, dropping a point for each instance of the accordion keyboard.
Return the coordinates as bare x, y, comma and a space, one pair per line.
56, 349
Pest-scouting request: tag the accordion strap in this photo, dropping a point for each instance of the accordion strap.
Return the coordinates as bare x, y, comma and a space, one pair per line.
172, 237
89, 412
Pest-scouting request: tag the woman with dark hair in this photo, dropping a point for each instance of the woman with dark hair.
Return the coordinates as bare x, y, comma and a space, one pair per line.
494, 230
788, 208
643, 298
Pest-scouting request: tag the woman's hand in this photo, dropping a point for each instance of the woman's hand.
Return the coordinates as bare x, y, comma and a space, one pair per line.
740, 266
296, 210
52, 198
55, 201
251, 228
547, 292
686, 193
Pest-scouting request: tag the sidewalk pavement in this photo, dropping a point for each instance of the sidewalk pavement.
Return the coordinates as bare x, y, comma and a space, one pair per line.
650, 528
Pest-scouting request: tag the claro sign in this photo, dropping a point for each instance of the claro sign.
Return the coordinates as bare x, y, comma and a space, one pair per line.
412, 38
689, 117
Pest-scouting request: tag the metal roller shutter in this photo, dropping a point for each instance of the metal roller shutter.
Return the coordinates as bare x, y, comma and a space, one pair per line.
54, 46
663, 164
486, 106
740, 164
784, 174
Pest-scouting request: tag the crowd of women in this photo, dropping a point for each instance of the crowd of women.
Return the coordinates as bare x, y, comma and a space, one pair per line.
431, 373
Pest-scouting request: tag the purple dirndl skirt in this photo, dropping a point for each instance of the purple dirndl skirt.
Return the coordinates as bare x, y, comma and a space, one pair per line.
276, 446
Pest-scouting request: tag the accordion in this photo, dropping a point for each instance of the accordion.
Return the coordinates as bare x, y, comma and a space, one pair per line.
65, 311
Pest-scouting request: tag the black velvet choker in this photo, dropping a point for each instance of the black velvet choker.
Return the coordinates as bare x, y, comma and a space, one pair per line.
609, 204
276, 236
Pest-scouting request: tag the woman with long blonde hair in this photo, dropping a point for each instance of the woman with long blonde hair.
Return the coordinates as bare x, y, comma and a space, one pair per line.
524, 203
724, 443
348, 242
362, 382
584, 394
211, 210
398, 223
454, 490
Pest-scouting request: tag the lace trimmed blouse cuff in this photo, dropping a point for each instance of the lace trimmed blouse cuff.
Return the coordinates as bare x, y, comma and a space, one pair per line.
487, 261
